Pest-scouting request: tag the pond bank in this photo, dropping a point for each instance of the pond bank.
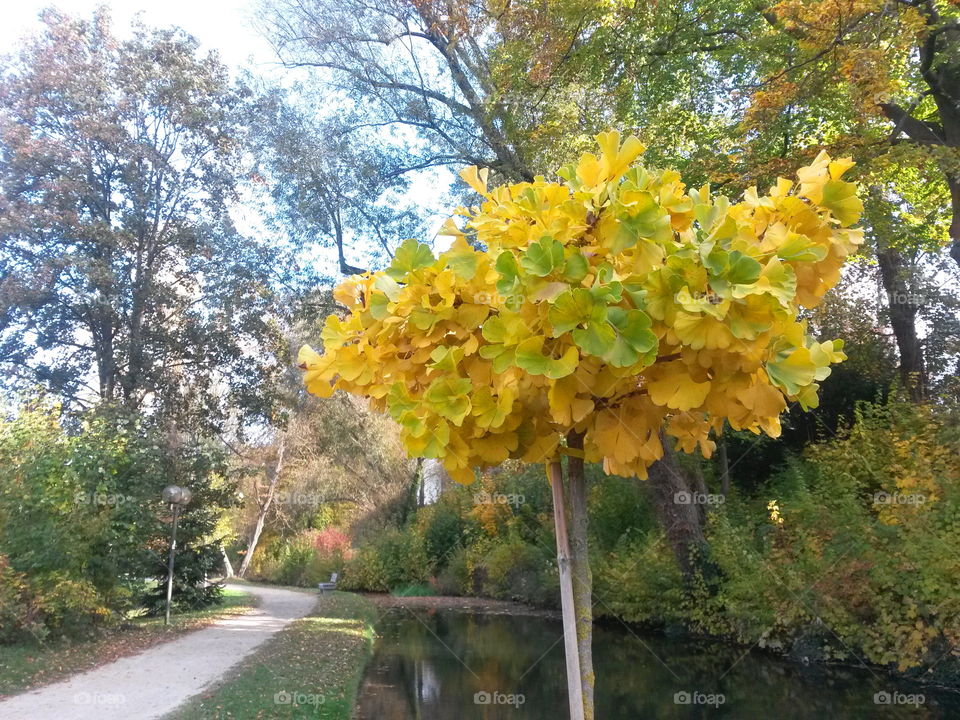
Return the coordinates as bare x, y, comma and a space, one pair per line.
490, 606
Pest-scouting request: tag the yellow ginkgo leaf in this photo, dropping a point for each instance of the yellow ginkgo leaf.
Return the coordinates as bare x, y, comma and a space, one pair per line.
677, 390
477, 179
566, 407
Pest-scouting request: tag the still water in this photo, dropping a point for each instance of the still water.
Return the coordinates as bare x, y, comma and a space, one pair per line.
465, 665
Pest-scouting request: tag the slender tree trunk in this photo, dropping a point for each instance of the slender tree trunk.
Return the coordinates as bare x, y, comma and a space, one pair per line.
674, 504
954, 183
580, 565
902, 305
724, 463
227, 565
567, 602
422, 492
264, 509
410, 498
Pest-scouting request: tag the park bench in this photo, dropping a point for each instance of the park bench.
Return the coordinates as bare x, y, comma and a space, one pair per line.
332, 585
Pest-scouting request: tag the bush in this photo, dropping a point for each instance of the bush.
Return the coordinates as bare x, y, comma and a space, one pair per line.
363, 572
618, 506
456, 578
826, 562
71, 607
515, 570
414, 591
639, 581
331, 541
395, 559
446, 526
20, 615
50, 606
80, 514
304, 560
822, 561
403, 558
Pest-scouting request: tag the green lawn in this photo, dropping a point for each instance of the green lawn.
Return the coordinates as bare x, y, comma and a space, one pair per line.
29, 665
311, 669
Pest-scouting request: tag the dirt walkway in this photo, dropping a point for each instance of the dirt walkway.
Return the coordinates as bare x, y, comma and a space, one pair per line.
151, 684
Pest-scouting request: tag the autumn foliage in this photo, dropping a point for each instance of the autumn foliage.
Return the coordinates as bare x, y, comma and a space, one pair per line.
614, 302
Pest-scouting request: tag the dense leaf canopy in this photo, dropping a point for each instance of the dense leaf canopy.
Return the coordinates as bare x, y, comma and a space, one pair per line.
611, 303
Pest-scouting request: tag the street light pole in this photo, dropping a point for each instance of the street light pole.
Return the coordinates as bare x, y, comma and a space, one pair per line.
177, 497
173, 551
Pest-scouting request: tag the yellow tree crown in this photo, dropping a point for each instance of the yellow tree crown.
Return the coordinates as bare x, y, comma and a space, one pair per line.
612, 303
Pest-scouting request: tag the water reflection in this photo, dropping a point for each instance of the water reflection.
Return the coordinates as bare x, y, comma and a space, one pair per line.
461, 665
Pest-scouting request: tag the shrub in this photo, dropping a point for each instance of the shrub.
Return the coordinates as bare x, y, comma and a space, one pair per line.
303, 560
71, 607
20, 615
455, 578
363, 572
446, 526
395, 559
331, 541
50, 606
80, 512
515, 570
617, 507
403, 558
639, 580
828, 563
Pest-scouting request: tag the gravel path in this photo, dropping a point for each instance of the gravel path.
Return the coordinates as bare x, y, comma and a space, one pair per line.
155, 682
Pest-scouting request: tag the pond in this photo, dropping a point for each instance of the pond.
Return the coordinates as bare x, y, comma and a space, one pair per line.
458, 665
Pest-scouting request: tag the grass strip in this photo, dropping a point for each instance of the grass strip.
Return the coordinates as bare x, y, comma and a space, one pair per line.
310, 669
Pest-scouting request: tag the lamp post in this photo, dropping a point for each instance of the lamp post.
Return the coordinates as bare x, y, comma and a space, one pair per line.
177, 497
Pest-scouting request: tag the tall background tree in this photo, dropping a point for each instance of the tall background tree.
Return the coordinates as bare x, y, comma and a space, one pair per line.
122, 275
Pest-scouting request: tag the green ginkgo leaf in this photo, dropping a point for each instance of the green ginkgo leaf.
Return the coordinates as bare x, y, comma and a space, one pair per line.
509, 271
715, 260
410, 256
841, 199
597, 338
800, 248
388, 286
576, 267
742, 269
572, 309
530, 357
633, 337
445, 358
423, 319
542, 257
462, 261
791, 371
644, 218
634, 327
399, 401
449, 397
379, 306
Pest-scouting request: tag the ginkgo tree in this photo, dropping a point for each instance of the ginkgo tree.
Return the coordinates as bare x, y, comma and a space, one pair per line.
593, 316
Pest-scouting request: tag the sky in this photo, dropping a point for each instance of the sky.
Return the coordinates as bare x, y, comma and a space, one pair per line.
223, 25
227, 26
